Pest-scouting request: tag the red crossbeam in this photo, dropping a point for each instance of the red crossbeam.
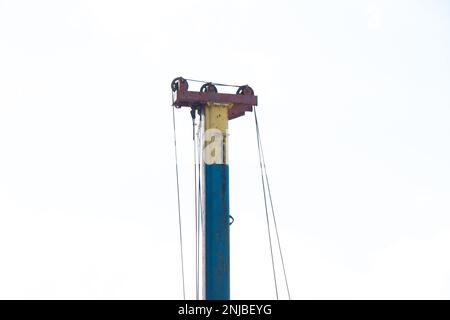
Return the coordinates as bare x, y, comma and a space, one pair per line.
242, 101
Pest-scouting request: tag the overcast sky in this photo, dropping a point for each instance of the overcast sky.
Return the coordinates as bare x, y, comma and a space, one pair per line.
354, 108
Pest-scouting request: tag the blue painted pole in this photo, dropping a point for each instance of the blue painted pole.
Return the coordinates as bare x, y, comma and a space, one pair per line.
217, 233
217, 227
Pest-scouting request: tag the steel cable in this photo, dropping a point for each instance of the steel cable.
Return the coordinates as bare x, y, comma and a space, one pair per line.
265, 206
271, 203
178, 200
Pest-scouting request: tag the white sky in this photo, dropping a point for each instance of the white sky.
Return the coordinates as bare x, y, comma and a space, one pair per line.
354, 110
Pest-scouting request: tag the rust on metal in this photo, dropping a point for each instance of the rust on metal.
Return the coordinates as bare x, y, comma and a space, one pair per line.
242, 101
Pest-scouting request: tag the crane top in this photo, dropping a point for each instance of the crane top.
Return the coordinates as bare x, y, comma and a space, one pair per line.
243, 100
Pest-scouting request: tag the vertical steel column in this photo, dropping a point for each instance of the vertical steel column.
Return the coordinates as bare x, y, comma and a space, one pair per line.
217, 237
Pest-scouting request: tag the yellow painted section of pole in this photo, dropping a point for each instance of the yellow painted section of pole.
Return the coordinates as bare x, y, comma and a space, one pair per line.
216, 116
216, 132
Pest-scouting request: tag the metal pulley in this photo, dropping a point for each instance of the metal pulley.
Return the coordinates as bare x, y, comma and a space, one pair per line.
245, 90
208, 87
179, 83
